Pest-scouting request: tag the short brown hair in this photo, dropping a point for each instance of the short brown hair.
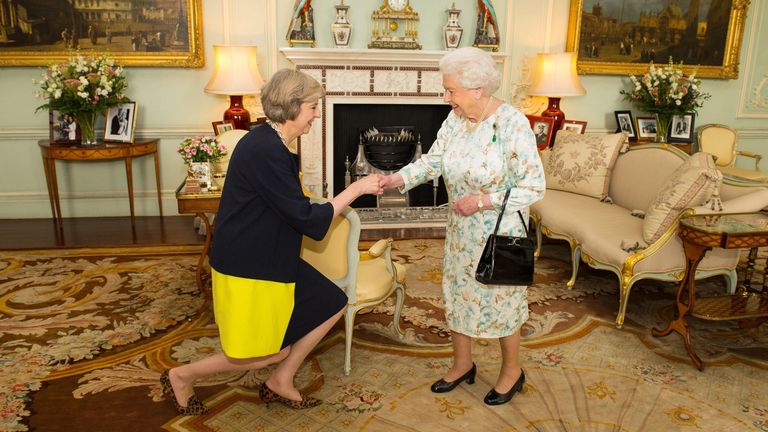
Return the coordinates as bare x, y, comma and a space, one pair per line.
283, 94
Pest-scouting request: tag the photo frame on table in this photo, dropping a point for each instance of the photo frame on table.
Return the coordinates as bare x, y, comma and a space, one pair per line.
681, 128
625, 123
221, 126
576, 126
63, 128
120, 123
646, 128
158, 33
542, 128
601, 36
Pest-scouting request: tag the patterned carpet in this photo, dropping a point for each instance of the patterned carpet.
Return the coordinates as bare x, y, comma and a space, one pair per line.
86, 332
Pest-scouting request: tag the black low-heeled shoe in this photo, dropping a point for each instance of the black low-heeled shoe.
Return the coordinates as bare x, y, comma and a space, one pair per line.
443, 386
495, 398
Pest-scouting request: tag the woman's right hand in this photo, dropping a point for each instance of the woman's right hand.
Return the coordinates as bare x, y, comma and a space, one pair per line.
370, 184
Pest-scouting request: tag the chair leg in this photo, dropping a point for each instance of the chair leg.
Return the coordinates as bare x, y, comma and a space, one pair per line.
349, 325
400, 293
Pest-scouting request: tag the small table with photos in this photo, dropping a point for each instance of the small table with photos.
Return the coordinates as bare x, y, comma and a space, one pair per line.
200, 204
51, 152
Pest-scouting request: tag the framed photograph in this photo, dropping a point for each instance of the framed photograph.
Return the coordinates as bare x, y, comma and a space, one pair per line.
146, 33
616, 37
120, 122
221, 126
63, 128
542, 129
625, 123
681, 128
646, 128
577, 126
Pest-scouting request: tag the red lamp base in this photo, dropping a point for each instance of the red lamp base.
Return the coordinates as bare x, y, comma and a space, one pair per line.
553, 110
237, 113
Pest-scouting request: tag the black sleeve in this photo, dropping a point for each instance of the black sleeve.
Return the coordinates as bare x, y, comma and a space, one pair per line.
273, 175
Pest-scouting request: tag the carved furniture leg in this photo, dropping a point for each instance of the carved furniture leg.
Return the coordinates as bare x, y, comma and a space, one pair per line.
693, 255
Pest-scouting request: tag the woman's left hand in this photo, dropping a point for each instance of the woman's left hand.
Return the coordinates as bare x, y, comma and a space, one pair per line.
467, 204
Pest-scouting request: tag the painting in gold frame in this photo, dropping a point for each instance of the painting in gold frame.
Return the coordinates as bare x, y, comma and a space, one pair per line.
165, 33
617, 37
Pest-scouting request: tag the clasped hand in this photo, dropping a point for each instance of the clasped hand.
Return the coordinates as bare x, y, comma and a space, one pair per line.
466, 205
371, 184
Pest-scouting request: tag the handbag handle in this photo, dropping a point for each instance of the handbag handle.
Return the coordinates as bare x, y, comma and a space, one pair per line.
501, 214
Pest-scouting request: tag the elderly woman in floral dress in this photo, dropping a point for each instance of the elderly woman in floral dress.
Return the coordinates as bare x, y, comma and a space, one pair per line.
483, 148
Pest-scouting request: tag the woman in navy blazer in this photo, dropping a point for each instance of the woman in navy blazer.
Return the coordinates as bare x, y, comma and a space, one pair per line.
270, 305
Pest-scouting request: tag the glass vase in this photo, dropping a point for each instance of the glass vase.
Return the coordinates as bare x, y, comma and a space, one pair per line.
86, 121
662, 127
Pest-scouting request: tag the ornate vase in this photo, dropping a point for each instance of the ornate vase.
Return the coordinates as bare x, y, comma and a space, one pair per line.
452, 30
85, 121
341, 29
662, 127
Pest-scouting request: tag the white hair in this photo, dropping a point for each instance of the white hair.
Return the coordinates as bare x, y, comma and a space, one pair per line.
473, 67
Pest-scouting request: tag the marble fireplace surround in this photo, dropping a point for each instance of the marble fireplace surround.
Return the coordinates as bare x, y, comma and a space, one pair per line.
360, 76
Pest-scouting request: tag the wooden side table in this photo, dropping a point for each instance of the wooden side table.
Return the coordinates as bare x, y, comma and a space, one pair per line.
199, 204
101, 152
700, 234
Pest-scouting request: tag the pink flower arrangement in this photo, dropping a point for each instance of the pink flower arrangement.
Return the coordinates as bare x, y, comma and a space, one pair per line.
201, 149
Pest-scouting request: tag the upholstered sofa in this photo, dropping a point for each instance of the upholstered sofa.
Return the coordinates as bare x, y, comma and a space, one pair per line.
607, 231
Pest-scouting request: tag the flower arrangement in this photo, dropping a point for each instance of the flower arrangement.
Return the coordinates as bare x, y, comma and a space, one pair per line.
83, 87
201, 149
666, 91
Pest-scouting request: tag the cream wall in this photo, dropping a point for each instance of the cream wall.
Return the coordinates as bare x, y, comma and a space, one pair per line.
172, 104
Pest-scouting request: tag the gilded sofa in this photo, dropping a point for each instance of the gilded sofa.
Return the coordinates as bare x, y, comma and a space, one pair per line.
598, 232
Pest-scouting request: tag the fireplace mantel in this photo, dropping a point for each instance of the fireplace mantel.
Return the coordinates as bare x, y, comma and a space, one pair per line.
372, 76
373, 57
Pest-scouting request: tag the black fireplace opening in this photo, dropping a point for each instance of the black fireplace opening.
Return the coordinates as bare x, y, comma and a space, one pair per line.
352, 120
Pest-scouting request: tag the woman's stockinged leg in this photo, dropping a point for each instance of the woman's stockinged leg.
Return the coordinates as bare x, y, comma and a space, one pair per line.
183, 377
281, 380
510, 362
462, 356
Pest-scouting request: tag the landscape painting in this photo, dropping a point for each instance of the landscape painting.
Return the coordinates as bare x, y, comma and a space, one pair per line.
133, 32
622, 36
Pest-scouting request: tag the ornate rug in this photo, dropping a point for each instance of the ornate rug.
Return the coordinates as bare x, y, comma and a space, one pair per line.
86, 332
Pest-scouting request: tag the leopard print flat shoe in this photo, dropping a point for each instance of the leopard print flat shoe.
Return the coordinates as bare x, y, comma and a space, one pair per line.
268, 395
194, 405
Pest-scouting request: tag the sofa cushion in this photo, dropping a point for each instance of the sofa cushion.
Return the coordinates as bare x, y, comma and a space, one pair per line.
692, 184
581, 164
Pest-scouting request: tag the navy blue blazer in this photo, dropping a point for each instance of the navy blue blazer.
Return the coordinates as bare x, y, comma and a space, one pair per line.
263, 211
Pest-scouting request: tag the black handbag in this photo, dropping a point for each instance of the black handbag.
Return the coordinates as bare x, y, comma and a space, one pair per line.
507, 260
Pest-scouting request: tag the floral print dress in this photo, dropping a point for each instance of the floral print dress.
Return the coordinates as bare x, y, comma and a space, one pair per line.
472, 162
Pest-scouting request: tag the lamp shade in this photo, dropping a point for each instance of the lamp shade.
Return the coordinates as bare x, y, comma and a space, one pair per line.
235, 71
556, 76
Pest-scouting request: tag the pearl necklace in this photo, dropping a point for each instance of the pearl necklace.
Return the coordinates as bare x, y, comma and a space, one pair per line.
279, 133
472, 127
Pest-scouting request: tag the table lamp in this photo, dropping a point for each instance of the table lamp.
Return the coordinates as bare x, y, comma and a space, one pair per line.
235, 73
556, 77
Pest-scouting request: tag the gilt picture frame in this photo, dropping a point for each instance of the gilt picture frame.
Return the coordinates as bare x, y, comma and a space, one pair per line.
646, 128
153, 33
615, 37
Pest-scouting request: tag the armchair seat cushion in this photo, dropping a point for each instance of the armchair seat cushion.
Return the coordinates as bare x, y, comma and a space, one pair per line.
373, 280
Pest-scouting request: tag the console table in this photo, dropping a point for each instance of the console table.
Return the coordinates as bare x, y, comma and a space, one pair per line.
100, 152
700, 234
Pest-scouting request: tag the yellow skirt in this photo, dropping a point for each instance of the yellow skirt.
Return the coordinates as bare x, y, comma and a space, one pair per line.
252, 314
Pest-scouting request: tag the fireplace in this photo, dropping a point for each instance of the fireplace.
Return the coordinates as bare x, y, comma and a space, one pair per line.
414, 125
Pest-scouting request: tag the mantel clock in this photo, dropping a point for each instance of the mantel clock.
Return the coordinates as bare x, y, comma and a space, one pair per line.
395, 25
